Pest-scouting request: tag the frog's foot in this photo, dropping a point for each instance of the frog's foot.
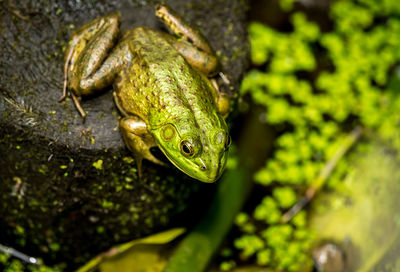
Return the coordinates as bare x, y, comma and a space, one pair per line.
78, 106
76, 100
222, 100
65, 89
138, 140
224, 78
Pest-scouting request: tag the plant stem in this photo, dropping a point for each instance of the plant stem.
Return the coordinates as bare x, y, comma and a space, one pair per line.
323, 176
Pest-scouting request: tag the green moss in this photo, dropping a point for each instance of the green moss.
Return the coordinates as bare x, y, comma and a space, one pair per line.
65, 127
100, 229
43, 169
107, 204
128, 160
19, 230
14, 265
98, 164
54, 246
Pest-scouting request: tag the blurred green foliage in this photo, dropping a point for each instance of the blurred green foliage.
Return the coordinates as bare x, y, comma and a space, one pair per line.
315, 87
12, 264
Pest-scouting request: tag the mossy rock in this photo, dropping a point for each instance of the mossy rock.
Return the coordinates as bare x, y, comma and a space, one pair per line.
70, 190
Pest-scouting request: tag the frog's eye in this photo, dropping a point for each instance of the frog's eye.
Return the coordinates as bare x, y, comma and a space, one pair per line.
187, 149
228, 141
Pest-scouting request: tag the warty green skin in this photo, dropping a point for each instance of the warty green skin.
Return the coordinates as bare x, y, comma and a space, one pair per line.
160, 87
165, 101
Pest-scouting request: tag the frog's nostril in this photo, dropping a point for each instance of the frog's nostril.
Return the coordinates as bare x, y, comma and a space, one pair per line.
203, 168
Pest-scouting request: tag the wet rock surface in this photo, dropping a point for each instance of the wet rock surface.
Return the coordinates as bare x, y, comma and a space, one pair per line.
70, 190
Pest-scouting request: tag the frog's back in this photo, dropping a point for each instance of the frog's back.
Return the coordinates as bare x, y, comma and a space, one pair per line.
159, 85
138, 85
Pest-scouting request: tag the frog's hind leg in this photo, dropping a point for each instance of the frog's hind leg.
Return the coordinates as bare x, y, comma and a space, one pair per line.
192, 45
89, 65
138, 140
75, 99
182, 29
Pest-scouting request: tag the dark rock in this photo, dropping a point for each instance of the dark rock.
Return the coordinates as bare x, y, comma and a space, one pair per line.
70, 190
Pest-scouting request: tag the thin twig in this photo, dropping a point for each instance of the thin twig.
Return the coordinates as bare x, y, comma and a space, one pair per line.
17, 106
323, 175
19, 255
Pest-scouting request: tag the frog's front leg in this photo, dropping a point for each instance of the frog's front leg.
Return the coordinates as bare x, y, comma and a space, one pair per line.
89, 65
138, 140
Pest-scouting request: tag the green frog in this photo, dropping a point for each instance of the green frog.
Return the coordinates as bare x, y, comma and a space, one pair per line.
163, 86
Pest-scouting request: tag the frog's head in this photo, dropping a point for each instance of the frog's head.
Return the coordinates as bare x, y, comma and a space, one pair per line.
200, 155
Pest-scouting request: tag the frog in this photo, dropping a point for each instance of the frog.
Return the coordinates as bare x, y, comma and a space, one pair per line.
164, 86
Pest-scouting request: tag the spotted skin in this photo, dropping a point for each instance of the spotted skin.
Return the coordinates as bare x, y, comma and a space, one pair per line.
161, 88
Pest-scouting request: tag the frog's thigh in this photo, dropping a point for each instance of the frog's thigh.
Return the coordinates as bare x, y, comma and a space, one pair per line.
138, 140
205, 62
88, 66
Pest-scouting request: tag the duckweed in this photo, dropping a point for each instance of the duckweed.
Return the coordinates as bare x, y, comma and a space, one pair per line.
314, 87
